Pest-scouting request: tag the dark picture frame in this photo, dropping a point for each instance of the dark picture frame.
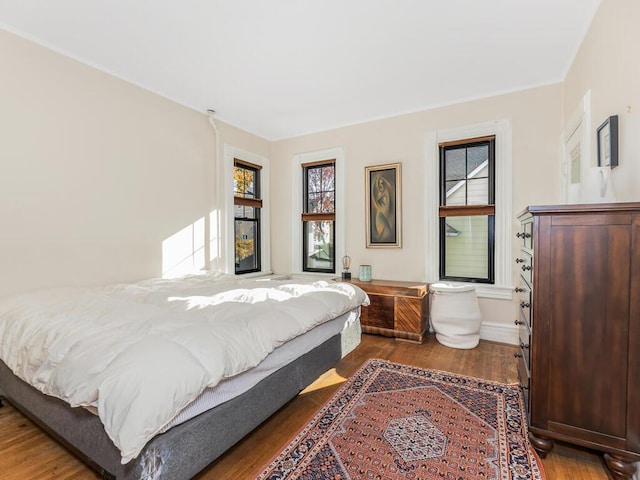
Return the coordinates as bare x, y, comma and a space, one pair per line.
383, 203
607, 139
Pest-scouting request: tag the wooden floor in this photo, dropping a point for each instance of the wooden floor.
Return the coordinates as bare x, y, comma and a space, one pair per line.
27, 453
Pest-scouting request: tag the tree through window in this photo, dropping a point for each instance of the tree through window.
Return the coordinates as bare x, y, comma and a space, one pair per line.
318, 216
247, 205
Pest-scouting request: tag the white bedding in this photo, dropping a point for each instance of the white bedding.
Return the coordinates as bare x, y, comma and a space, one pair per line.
140, 353
229, 388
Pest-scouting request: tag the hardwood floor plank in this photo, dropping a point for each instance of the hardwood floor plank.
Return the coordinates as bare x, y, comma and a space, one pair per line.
27, 453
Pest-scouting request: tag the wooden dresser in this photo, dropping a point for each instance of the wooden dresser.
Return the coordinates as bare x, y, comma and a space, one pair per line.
397, 309
579, 320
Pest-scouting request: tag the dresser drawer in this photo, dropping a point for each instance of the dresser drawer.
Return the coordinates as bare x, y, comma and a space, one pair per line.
525, 263
526, 235
525, 344
524, 302
524, 383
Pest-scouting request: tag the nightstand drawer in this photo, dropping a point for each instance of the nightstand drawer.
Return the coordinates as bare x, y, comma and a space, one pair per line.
380, 312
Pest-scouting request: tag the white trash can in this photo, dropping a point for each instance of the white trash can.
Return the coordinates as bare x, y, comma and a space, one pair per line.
455, 315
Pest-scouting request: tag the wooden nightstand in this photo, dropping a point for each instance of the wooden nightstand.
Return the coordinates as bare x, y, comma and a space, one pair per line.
397, 309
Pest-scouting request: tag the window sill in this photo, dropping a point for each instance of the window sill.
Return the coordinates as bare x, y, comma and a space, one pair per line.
483, 290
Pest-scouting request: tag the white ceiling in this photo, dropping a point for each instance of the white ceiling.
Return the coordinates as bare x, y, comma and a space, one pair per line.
282, 68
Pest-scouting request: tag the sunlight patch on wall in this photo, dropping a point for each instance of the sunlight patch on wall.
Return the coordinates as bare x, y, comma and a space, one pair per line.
183, 252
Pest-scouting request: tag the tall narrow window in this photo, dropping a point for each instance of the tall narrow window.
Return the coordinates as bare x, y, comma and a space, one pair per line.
318, 217
247, 205
467, 210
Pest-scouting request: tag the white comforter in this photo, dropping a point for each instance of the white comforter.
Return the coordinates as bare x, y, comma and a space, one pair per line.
139, 353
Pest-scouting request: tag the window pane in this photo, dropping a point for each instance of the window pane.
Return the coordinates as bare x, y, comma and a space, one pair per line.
328, 178
318, 245
244, 181
238, 211
476, 156
328, 202
238, 180
314, 180
456, 193
246, 246
314, 203
466, 247
478, 191
241, 211
455, 163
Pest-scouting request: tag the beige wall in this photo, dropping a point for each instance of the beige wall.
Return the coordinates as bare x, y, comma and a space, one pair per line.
608, 64
535, 116
95, 173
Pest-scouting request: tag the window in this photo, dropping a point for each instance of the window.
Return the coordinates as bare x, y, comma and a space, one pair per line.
467, 210
246, 207
318, 216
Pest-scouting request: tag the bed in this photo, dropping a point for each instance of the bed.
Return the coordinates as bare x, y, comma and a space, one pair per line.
130, 377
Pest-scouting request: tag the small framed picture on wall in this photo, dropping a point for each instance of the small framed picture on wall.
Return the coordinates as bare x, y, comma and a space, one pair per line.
607, 137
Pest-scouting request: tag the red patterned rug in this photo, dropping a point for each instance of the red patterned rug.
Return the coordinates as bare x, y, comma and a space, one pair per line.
391, 421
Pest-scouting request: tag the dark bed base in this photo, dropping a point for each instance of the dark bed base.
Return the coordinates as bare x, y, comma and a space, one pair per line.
184, 450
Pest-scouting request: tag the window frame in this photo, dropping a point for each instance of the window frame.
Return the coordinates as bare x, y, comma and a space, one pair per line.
502, 288
306, 217
254, 202
336, 153
467, 210
221, 233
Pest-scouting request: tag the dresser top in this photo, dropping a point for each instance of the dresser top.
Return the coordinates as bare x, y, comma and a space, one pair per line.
581, 208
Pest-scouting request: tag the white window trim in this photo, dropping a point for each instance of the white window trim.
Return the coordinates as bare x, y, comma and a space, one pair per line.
577, 130
340, 224
502, 289
230, 153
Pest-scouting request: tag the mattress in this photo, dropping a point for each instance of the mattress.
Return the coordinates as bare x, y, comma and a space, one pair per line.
232, 387
150, 355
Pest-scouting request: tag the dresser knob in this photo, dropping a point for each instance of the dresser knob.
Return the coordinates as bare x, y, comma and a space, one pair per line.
519, 260
524, 346
526, 267
524, 305
524, 387
517, 355
518, 289
519, 322
518, 235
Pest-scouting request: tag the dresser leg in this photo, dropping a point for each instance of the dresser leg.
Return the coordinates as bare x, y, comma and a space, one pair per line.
542, 445
622, 468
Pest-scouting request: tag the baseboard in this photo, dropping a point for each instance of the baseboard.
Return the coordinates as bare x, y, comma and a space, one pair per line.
500, 332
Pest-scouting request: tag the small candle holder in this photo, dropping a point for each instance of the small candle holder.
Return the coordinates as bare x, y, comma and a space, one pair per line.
346, 264
365, 273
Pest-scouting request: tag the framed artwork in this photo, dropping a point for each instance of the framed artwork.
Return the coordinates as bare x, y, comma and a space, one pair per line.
383, 202
607, 135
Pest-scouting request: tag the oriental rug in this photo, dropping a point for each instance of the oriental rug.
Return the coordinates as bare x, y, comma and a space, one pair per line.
392, 421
